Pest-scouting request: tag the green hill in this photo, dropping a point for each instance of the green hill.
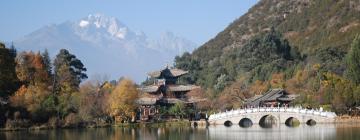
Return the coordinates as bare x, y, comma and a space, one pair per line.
299, 45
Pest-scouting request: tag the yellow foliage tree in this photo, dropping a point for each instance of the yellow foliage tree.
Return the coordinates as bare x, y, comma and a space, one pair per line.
316, 67
258, 87
277, 80
339, 92
122, 100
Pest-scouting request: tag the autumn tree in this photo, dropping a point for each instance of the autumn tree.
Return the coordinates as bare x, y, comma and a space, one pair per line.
339, 92
34, 94
122, 100
277, 80
233, 96
92, 99
259, 87
32, 70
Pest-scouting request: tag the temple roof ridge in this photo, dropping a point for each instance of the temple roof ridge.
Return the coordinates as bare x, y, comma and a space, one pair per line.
175, 72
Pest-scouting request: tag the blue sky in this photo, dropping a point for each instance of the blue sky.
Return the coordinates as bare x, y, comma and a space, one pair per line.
196, 20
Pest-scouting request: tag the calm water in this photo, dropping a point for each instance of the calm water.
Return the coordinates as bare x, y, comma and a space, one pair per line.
282, 132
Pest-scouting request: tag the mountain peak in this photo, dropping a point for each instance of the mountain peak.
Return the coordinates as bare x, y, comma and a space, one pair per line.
107, 46
99, 21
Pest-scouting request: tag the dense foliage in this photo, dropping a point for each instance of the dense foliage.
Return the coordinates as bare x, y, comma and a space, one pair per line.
36, 91
263, 55
8, 78
8, 82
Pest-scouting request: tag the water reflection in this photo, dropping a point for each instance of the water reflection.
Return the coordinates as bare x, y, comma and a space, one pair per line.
255, 132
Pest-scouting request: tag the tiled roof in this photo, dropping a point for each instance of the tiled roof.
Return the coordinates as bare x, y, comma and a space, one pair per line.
287, 97
149, 89
171, 72
173, 88
153, 100
176, 100
254, 98
146, 101
172, 100
177, 72
271, 95
181, 87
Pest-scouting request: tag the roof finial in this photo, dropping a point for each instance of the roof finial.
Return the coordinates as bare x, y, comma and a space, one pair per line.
167, 65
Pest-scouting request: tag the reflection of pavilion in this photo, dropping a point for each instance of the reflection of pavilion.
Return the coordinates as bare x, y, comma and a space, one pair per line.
273, 97
164, 92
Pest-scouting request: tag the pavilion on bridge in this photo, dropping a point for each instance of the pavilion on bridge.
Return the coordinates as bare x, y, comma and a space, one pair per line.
272, 98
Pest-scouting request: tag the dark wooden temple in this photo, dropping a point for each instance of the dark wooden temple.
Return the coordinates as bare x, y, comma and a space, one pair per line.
164, 92
272, 98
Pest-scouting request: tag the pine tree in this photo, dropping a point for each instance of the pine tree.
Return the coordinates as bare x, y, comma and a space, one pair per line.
8, 79
47, 62
13, 51
69, 71
353, 61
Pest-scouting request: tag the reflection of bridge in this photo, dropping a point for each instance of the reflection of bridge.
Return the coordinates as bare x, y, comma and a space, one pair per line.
281, 115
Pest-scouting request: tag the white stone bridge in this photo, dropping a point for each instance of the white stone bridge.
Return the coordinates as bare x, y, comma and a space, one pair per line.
280, 115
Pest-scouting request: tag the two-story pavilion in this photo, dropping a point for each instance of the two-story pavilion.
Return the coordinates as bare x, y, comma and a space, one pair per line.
164, 92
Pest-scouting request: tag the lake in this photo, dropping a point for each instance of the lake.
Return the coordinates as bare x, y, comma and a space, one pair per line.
255, 132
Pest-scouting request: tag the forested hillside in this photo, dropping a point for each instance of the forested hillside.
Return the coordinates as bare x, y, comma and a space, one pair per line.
307, 47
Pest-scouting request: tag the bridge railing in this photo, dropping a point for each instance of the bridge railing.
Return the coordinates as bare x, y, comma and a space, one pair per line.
237, 112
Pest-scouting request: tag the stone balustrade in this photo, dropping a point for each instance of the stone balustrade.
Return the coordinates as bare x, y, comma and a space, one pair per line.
297, 110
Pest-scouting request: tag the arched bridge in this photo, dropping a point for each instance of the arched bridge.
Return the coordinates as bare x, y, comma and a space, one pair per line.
279, 115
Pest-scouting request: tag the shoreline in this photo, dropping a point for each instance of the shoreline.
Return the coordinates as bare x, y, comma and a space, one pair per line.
347, 119
183, 123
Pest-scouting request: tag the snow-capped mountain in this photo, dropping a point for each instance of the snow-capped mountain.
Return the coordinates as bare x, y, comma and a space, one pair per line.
107, 46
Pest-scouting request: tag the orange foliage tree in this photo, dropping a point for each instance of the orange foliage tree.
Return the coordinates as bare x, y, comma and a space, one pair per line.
35, 89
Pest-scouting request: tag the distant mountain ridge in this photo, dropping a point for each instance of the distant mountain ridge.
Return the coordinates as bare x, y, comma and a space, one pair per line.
107, 46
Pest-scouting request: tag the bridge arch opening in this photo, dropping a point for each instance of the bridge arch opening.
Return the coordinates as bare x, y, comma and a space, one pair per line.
195, 124
268, 121
228, 123
245, 122
311, 122
292, 122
